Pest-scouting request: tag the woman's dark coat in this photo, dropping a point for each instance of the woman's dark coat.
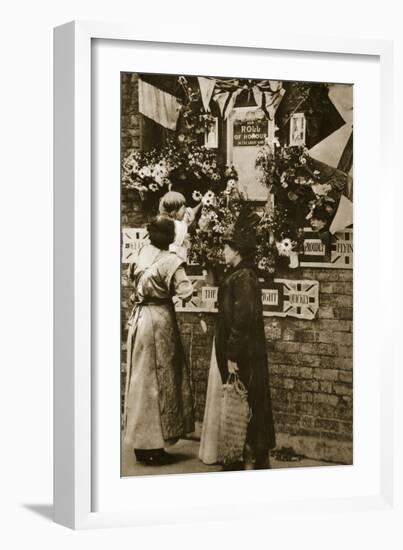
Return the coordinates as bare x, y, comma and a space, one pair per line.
240, 337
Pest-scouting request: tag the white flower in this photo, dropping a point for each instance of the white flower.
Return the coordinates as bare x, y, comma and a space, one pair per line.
302, 160
316, 173
208, 199
262, 264
231, 184
145, 172
284, 247
197, 196
153, 187
321, 189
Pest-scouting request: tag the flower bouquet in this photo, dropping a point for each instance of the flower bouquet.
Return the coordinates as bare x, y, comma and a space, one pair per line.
191, 169
300, 196
218, 213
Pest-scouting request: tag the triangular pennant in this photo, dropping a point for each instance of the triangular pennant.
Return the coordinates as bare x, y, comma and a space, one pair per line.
231, 102
207, 86
272, 101
226, 101
221, 99
343, 217
258, 95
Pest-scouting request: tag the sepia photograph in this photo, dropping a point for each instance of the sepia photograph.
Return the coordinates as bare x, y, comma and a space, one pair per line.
236, 273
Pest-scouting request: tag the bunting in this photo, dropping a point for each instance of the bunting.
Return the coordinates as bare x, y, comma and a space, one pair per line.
206, 86
268, 95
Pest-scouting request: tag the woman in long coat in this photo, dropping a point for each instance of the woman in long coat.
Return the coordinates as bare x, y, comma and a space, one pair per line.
240, 347
158, 399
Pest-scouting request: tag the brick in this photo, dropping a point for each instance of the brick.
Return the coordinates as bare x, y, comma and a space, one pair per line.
335, 324
325, 424
326, 386
276, 381
345, 350
318, 349
326, 399
290, 419
345, 288
307, 422
343, 389
288, 383
304, 372
346, 428
289, 335
343, 313
344, 363
321, 274
328, 362
339, 410
272, 332
294, 359
134, 121
335, 300
326, 312
307, 336
335, 337
346, 401
306, 385
326, 374
333, 436
346, 376
303, 408
287, 347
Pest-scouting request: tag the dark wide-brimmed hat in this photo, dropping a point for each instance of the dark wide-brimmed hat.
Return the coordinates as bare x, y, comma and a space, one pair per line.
242, 234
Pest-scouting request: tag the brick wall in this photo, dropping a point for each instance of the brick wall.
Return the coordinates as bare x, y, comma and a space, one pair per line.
130, 119
310, 366
310, 362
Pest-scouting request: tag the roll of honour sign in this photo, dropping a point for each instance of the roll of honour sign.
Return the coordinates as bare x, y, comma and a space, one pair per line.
250, 132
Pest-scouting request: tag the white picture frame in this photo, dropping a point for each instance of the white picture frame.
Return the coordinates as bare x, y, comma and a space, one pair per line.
211, 135
297, 129
76, 415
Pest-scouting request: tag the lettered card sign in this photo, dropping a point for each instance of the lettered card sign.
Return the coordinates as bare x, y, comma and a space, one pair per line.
334, 253
284, 298
132, 240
